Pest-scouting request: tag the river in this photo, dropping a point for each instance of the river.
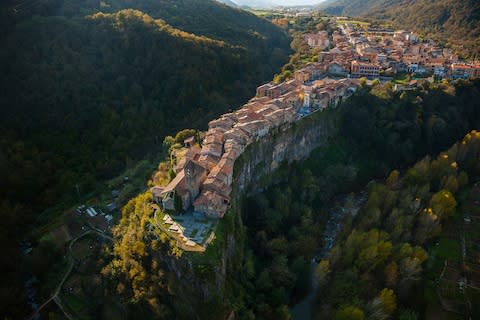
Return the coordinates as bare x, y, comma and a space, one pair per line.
342, 206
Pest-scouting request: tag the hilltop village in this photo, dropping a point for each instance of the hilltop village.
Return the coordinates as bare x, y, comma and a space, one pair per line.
376, 53
203, 181
204, 175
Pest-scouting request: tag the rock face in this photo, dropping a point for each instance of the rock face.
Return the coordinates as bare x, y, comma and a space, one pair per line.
201, 280
291, 143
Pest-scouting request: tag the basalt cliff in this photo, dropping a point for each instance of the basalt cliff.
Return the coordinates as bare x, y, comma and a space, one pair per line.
206, 281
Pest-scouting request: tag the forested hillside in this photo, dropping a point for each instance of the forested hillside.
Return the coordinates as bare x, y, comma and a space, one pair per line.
82, 93
376, 269
381, 129
228, 3
456, 22
89, 87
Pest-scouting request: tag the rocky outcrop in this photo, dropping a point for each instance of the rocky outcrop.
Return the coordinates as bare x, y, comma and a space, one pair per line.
201, 281
289, 143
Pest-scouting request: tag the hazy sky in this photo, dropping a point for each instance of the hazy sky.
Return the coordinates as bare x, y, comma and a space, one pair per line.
295, 2
278, 2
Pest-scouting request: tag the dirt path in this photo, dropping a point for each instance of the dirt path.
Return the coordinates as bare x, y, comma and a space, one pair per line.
55, 296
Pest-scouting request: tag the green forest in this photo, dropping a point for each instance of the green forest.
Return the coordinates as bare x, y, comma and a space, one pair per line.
375, 271
381, 130
92, 88
89, 88
384, 134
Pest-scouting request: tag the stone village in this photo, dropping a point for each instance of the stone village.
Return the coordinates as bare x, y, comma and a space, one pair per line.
203, 181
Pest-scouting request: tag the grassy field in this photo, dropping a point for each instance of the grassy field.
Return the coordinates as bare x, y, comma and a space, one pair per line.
79, 307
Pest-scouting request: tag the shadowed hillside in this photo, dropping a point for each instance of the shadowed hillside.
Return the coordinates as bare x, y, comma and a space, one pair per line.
90, 87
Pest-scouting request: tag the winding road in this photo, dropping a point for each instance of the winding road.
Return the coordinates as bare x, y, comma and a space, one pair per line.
55, 296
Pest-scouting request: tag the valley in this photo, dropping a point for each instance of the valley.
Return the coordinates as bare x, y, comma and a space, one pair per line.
345, 186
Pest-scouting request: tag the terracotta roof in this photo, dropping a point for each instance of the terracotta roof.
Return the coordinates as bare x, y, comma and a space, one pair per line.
236, 134
250, 117
156, 191
214, 149
208, 160
176, 182
193, 153
223, 122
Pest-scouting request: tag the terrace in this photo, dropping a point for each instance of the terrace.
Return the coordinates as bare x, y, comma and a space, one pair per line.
192, 230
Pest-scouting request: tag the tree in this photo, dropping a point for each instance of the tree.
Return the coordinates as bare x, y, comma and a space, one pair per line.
450, 183
443, 203
322, 271
391, 274
389, 300
350, 313
407, 314
376, 310
184, 134
428, 225
168, 141
177, 203
392, 178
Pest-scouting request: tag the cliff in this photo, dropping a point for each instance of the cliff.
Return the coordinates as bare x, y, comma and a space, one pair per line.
204, 284
288, 143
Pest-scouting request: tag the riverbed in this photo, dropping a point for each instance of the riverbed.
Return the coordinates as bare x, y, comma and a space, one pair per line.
341, 207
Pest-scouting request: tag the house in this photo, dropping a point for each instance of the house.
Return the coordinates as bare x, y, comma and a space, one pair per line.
436, 68
185, 185
401, 35
262, 90
157, 193
464, 71
256, 128
236, 135
367, 52
291, 99
381, 58
192, 153
337, 69
208, 161
416, 68
318, 40
212, 203
189, 142
111, 206
307, 93
225, 122
363, 69
302, 75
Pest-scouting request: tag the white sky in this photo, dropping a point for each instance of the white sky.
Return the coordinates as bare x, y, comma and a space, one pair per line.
295, 2
278, 2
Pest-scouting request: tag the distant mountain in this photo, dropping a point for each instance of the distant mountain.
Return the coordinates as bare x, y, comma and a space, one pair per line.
456, 22
228, 3
254, 3
352, 7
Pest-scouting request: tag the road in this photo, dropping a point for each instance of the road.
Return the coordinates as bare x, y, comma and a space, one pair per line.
55, 296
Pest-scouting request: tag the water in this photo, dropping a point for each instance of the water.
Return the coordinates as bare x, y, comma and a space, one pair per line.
342, 206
